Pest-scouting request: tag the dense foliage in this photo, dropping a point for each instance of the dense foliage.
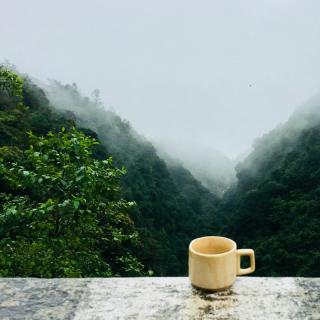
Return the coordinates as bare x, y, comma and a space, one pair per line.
65, 218
61, 212
276, 205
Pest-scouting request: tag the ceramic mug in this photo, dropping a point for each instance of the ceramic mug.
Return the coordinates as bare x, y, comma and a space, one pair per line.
214, 262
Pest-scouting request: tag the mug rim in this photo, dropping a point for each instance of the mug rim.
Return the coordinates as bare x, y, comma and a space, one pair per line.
212, 254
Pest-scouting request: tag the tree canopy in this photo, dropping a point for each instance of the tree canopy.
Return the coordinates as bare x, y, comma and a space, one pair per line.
66, 217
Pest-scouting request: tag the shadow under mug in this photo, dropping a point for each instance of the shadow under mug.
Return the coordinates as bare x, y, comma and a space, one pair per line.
214, 262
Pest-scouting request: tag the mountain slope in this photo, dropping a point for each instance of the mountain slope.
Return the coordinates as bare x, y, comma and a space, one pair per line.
61, 211
165, 216
275, 208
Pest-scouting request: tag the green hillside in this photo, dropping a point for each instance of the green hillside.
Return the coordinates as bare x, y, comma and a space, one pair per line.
165, 215
62, 212
166, 218
275, 207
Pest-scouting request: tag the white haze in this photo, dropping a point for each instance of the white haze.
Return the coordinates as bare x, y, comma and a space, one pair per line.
211, 167
210, 73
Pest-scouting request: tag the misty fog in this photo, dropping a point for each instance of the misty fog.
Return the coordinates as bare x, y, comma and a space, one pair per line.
211, 167
211, 73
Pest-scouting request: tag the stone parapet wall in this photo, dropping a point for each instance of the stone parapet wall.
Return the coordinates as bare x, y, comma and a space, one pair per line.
158, 298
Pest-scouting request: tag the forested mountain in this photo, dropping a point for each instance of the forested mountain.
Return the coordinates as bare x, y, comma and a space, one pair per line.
275, 207
61, 210
60, 197
170, 211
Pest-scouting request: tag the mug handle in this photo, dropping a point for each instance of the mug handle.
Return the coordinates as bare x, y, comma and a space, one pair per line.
245, 252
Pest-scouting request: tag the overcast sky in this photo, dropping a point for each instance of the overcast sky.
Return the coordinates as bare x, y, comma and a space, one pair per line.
216, 73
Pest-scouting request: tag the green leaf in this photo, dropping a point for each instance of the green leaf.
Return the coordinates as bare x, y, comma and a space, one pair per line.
76, 204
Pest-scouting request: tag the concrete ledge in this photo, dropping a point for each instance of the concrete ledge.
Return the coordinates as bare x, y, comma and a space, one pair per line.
158, 298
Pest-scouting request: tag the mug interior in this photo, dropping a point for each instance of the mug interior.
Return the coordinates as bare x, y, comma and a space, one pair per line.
212, 245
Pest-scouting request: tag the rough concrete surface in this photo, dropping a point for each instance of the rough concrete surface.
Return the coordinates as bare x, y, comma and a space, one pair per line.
158, 298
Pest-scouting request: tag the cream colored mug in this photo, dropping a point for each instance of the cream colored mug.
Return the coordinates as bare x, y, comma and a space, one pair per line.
214, 262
